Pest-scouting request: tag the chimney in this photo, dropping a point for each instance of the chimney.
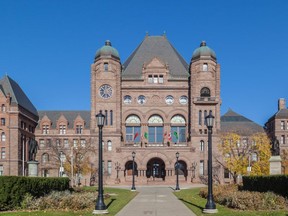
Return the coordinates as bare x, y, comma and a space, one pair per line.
281, 104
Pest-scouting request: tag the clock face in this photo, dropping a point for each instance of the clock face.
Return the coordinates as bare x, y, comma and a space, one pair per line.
105, 91
169, 99
141, 99
127, 99
183, 99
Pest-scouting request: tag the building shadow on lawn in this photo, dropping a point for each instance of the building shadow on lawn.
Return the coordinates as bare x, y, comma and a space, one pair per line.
200, 207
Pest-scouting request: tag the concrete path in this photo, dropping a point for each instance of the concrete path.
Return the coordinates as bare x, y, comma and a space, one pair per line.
155, 201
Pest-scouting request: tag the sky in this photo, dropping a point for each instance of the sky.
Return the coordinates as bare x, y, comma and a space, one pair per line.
48, 46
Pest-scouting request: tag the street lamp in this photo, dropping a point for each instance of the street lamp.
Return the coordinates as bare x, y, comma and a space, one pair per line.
100, 207
177, 172
133, 168
61, 164
210, 206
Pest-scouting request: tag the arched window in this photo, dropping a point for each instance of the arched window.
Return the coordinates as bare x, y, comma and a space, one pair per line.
205, 92
45, 158
202, 146
3, 137
3, 108
178, 129
109, 145
155, 129
133, 129
200, 117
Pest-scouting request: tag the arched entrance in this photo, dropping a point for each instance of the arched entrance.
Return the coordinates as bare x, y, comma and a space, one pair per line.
182, 169
129, 168
156, 168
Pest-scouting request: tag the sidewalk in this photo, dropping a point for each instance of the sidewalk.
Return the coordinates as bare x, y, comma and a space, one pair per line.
155, 201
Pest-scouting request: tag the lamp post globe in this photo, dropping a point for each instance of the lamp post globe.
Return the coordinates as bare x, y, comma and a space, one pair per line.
133, 188
100, 207
177, 172
210, 206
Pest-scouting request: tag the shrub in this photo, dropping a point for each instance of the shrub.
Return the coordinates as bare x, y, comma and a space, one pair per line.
275, 183
229, 196
13, 189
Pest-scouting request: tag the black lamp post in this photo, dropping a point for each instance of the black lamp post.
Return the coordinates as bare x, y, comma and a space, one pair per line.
210, 206
177, 172
133, 168
100, 205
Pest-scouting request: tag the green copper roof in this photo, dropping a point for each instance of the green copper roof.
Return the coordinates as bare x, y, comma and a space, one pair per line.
107, 50
203, 50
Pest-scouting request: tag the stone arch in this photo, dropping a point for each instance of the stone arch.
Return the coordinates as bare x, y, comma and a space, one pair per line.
160, 155
132, 112
155, 112
181, 112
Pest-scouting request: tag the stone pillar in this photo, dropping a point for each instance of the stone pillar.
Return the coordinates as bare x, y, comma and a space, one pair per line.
33, 168
275, 165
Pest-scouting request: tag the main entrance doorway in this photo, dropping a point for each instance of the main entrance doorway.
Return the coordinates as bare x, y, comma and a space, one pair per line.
156, 168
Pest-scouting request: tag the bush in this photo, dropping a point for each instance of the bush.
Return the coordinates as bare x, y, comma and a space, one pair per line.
62, 200
275, 183
229, 196
13, 189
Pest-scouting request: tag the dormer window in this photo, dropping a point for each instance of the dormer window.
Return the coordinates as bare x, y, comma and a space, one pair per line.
205, 67
155, 79
79, 129
150, 79
62, 129
45, 129
161, 79
105, 66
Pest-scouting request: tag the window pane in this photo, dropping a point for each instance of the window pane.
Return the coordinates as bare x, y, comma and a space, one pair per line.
151, 134
159, 134
182, 134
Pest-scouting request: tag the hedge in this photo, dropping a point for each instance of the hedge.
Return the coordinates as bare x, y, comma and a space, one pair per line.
274, 183
14, 188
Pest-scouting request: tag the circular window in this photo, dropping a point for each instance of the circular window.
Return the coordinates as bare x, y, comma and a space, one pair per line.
183, 99
169, 99
127, 99
141, 99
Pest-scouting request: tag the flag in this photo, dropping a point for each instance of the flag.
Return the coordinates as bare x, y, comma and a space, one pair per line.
169, 136
175, 134
136, 134
146, 135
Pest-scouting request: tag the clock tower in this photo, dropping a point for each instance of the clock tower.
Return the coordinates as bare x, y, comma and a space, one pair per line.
106, 90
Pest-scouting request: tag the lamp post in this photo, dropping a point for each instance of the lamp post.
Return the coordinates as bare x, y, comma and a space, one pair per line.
133, 168
210, 206
100, 207
177, 172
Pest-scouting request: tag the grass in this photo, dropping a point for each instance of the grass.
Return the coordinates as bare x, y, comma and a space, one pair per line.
118, 199
196, 203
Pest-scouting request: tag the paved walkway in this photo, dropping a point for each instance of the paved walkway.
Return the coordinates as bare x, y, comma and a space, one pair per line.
155, 201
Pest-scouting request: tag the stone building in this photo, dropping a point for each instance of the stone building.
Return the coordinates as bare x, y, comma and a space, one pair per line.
19, 119
155, 104
277, 126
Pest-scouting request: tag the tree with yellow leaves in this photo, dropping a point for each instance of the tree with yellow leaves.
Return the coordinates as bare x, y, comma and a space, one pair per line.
245, 155
284, 157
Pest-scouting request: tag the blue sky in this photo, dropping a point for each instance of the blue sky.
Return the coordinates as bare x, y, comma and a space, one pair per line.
47, 46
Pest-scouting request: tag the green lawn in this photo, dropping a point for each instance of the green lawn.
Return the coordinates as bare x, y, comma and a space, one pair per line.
194, 202
119, 198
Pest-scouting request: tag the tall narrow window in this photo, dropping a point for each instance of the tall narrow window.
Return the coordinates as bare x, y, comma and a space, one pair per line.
205, 67
83, 143
200, 117
1, 170
282, 125
105, 66
3, 108
155, 79
161, 79
201, 167
109, 167
58, 143
282, 139
3, 153
106, 117
201, 145
2, 121
111, 117
205, 114
109, 145
45, 129
3, 137
226, 173
48, 142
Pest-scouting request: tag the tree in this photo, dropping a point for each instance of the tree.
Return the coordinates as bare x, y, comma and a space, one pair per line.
240, 152
284, 157
77, 157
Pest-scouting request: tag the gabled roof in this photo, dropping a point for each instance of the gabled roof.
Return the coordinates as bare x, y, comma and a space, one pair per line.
234, 122
9, 86
281, 114
71, 116
151, 47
